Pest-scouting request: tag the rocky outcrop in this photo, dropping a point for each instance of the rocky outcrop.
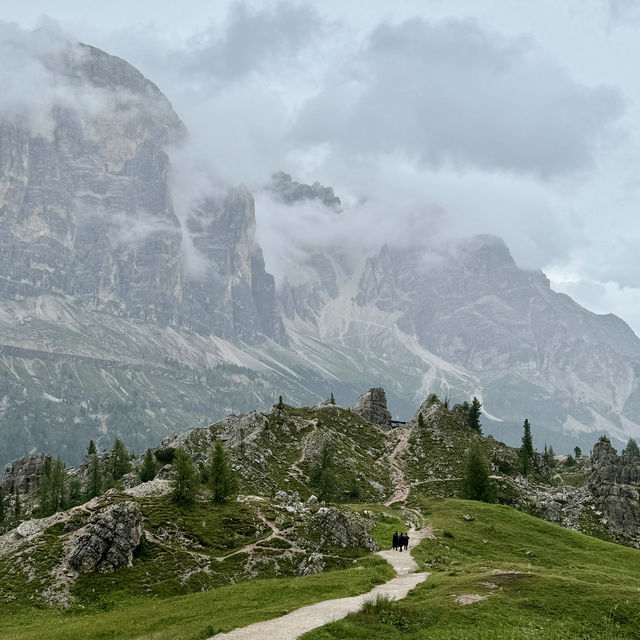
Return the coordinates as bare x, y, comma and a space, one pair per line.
289, 191
338, 529
24, 476
88, 211
108, 540
614, 482
372, 406
311, 565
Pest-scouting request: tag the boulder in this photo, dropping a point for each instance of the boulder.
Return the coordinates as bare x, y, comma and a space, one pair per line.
311, 565
338, 529
372, 406
108, 540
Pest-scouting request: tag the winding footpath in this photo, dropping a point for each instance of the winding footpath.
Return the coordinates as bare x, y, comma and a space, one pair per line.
305, 619
403, 488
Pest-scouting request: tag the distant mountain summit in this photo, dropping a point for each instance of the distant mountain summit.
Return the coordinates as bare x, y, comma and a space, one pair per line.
128, 312
88, 212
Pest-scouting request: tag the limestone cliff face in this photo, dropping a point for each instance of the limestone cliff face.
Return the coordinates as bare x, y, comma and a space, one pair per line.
87, 211
614, 481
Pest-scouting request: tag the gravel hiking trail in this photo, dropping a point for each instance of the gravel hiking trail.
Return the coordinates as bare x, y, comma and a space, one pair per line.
305, 619
403, 488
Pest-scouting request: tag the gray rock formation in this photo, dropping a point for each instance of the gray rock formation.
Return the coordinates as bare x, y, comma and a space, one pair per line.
372, 406
108, 540
311, 565
289, 191
24, 476
614, 482
338, 529
88, 212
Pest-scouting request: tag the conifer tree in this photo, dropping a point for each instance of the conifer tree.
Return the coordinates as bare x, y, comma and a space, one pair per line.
91, 449
323, 477
473, 416
51, 493
577, 452
420, 421
120, 460
17, 509
332, 399
632, 450
94, 485
184, 480
526, 450
552, 457
148, 471
476, 482
222, 480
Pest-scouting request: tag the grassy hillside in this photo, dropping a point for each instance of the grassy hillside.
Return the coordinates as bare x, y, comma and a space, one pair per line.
537, 580
192, 617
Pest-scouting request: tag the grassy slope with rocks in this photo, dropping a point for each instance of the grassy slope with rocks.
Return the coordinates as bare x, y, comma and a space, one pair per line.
266, 535
522, 577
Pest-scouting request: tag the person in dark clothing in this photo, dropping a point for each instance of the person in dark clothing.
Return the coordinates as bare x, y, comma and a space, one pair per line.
400, 541
396, 540
406, 542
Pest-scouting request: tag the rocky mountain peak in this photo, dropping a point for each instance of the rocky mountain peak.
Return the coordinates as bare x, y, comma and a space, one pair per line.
286, 189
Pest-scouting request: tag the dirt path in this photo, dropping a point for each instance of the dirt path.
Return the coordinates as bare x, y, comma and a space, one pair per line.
301, 620
403, 488
294, 469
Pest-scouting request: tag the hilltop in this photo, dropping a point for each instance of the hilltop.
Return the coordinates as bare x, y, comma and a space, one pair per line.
280, 526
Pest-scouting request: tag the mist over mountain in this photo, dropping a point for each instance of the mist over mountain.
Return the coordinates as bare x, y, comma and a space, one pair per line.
135, 299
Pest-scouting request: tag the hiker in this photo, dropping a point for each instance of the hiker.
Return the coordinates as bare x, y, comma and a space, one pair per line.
400, 541
396, 540
406, 541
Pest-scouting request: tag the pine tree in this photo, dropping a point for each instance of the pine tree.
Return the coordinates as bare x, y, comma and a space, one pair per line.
280, 403
552, 457
120, 460
184, 480
420, 422
476, 483
473, 417
570, 461
222, 481
17, 509
526, 450
332, 399
578, 452
323, 477
51, 493
632, 450
91, 449
148, 471
94, 485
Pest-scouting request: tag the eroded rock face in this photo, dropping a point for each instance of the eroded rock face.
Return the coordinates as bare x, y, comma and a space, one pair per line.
614, 482
336, 528
24, 476
109, 539
311, 565
372, 406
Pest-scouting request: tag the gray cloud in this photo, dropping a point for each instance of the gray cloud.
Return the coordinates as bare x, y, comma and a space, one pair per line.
252, 40
452, 93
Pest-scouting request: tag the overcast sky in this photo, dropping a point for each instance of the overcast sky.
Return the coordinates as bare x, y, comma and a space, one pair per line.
508, 117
